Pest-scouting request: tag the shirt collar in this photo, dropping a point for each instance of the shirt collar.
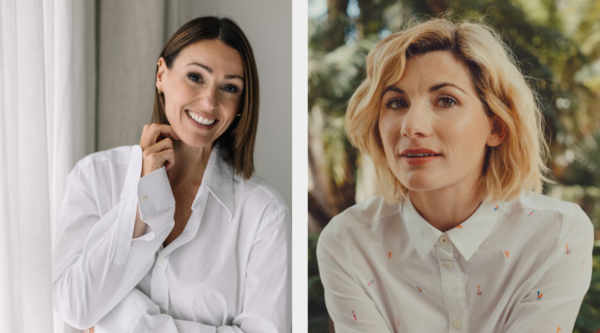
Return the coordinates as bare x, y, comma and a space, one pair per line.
218, 179
467, 237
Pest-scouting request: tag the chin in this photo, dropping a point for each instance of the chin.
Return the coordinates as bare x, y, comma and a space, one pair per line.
417, 181
195, 141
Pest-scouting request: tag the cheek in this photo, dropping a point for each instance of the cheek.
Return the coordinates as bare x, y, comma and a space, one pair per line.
465, 137
388, 129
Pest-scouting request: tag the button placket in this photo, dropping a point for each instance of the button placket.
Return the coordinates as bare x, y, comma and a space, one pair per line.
159, 287
451, 283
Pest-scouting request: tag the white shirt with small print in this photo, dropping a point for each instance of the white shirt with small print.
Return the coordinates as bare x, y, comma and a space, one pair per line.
228, 271
516, 266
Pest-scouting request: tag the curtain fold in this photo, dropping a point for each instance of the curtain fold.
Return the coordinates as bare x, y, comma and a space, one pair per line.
47, 104
55, 56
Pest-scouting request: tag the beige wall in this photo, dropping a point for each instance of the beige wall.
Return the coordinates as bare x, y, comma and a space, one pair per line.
131, 35
268, 26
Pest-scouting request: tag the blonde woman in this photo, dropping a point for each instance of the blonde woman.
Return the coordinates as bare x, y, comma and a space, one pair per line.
177, 234
460, 238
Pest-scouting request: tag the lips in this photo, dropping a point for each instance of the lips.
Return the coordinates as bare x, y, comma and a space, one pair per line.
418, 156
201, 120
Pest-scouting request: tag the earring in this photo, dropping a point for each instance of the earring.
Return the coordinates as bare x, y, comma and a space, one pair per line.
239, 114
158, 63
159, 92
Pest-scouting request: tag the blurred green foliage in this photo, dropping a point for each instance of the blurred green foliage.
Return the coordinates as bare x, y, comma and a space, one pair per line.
557, 44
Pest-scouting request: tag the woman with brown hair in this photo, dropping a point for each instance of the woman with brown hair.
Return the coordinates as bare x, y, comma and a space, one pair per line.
176, 234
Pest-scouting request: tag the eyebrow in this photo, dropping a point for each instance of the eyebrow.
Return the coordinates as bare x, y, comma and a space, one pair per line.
208, 69
444, 84
432, 89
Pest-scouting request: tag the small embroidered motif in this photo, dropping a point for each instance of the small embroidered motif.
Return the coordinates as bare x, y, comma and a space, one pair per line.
478, 291
582, 266
398, 319
568, 251
558, 328
390, 254
354, 315
333, 255
419, 289
459, 226
531, 213
539, 296
506, 252
370, 283
496, 208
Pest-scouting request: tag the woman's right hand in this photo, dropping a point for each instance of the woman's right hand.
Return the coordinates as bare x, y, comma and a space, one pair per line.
157, 147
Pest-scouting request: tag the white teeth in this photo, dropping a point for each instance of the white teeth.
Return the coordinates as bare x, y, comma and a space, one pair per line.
200, 119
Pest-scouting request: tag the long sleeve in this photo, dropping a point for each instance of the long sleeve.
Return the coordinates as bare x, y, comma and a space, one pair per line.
553, 304
96, 263
348, 304
266, 297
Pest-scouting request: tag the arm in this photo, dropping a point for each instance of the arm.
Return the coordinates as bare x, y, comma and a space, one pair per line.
348, 304
96, 261
562, 287
266, 307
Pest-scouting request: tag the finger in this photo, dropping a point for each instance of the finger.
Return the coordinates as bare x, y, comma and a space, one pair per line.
157, 130
164, 158
144, 131
159, 146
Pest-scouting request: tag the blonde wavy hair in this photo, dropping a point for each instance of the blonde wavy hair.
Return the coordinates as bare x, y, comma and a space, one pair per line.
517, 164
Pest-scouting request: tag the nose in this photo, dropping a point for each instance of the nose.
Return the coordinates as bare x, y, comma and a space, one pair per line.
416, 122
208, 98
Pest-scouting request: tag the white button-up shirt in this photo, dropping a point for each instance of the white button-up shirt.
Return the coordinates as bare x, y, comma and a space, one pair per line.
228, 271
518, 266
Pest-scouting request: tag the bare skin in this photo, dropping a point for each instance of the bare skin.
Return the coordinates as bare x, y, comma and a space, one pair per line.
435, 106
206, 79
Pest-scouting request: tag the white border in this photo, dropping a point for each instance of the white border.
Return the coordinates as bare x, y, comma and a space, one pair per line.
299, 166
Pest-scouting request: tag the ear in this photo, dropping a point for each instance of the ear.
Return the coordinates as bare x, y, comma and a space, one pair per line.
498, 133
160, 73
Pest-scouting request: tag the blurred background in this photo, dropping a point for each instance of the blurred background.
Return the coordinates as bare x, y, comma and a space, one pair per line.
558, 45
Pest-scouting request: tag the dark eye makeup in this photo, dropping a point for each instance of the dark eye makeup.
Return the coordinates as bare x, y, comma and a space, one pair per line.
230, 88
396, 103
399, 103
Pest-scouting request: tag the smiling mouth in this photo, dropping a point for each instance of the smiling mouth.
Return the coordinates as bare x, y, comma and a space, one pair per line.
200, 120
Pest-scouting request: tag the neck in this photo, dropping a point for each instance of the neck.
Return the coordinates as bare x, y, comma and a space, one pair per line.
190, 164
448, 207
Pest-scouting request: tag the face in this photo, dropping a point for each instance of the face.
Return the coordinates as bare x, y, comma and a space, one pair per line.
202, 91
433, 126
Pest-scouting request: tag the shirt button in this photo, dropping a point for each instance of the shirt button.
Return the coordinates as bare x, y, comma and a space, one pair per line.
160, 263
457, 323
144, 198
448, 264
443, 239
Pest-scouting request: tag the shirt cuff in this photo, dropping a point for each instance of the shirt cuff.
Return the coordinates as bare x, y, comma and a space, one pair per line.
155, 199
127, 208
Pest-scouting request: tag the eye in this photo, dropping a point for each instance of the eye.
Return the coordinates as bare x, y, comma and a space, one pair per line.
231, 89
396, 104
195, 77
446, 102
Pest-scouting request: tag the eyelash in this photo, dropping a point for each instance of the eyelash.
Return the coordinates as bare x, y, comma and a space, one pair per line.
234, 89
394, 100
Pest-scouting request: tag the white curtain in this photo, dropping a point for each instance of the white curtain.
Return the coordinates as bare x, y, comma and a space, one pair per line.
51, 52
46, 125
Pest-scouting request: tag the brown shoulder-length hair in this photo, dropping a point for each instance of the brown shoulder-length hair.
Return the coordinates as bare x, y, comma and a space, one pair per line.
238, 139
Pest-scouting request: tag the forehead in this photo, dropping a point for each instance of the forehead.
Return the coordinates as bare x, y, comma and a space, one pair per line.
435, 67
214, 54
